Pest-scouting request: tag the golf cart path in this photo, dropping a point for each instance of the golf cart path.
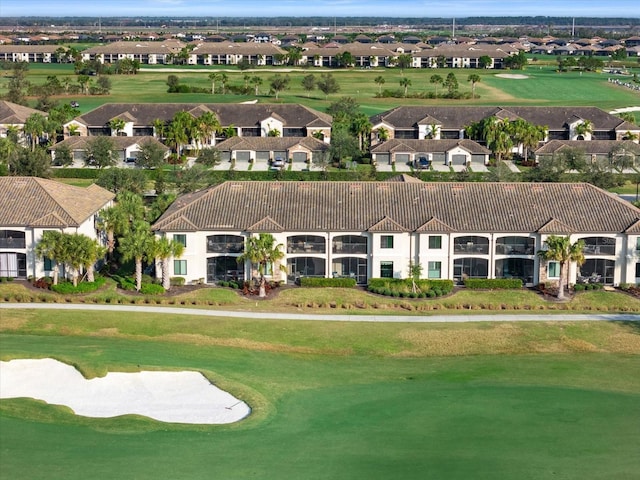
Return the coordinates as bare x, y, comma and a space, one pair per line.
471, 317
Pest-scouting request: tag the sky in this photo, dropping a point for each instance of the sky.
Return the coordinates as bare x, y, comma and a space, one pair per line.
325, 8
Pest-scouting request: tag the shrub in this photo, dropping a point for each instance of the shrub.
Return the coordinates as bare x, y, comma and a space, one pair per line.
579, 287
176, 281
223, 283
67, 288
125, 283
151, 289
327, 282
493, 283
44, 283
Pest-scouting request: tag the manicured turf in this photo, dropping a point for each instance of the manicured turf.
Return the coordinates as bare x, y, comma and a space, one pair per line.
329, 416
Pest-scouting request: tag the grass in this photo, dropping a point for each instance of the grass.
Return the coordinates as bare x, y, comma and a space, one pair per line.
324, 415
544, 87
353, 301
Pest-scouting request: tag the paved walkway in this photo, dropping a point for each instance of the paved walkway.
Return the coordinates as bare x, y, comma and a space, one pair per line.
510, 317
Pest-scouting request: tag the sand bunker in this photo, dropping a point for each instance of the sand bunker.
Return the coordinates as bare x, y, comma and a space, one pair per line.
176, 397
513, 76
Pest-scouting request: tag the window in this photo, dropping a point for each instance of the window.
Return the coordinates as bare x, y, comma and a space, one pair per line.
435, 241
181, 238
179, 267
48, 264
386, 241
638, 243
435, 269
386, 269
638, 270
553, 270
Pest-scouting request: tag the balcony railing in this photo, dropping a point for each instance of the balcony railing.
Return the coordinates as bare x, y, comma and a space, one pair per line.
225, 247
12, 243
514, 249
350, 248
306, 247
472, 248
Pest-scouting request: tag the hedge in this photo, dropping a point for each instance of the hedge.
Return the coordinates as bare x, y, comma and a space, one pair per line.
402, 287
314, 282
66, 288
151, 289
493, 283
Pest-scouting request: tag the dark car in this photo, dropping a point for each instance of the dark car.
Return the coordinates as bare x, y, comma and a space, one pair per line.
422, 163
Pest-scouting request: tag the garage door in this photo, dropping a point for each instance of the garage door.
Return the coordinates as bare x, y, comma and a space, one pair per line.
243, 156
458, 160
438, 158
477, 159
402, 158
300, 157
262, 156
282, 155
382, 158
225, 156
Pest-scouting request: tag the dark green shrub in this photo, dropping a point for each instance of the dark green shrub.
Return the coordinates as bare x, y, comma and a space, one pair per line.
223, 283
579, 287
176, 281
493, 283
234, 285
437, 292
430, 293
327, 282
66, 288
125, 283
147, 279
151, 289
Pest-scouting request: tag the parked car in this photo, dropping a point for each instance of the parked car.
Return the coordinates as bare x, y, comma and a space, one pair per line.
278, 162
422, 163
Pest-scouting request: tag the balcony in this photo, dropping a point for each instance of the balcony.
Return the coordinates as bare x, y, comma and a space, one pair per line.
225, 244
306, 247
599, 250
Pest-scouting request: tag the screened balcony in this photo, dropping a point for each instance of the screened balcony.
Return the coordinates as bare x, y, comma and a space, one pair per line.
306, 244
515, 246
225, 244
12, 239
599, 246
471, 244
350, 245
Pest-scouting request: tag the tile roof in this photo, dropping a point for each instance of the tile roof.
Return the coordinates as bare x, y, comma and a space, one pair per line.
360, 206
121, 142
428, 146
270, 143
14, 114
591, 147
239, 115
32, 201
556, 118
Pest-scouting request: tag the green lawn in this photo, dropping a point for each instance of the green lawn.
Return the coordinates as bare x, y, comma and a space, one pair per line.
339, 400
544, 87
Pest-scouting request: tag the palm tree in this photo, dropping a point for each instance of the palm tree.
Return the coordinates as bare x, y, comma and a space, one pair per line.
91, 251
164, 249
117, 125
379, 81
256, 81
214, 77
560, 249
437, 80
473, 78
263, 252
179, 131
112, 222
205, 126
583, 128
34, 127
406, 83
49, 246
415, 271
159, 128
137, 245
361, 126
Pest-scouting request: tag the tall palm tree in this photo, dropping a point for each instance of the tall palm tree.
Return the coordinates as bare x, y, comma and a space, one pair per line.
179, 130
163, 249
112, 221
137, 245
256, 81
91, 252
263, 252
50, 246
361, 127
583, 128
406, 83
437, 80
473, 78
560, 249
379, 81
159, 128
205, 126
214, 77
34, 127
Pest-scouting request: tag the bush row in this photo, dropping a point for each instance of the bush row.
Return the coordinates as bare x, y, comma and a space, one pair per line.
405, 284
327, 282
67, 288
493, 283
580, 287
6, 279
231, 284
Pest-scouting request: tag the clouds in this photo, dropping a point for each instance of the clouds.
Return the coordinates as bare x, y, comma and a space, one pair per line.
326, 8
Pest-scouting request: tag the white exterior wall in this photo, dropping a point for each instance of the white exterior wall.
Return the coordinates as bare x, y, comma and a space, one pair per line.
631, 256
426, 254
400, 254
269, 124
